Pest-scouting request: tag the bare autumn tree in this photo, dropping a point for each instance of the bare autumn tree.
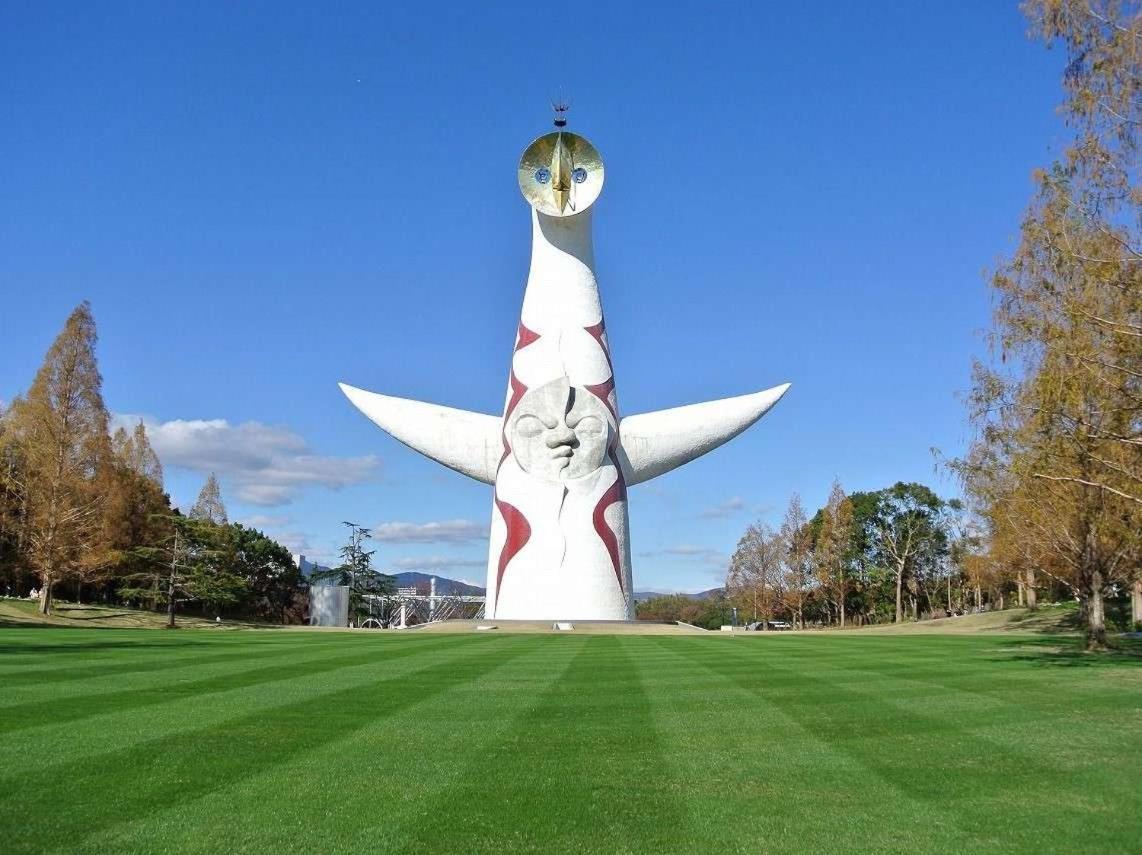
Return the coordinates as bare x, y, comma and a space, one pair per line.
60, 429
832, 553
209, 505
1057, 464
12, 569
966, 539
797, 559
133, 451
754, 577
12, 527
135, 506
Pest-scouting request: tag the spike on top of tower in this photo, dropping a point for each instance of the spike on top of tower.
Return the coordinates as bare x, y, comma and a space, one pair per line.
560, 109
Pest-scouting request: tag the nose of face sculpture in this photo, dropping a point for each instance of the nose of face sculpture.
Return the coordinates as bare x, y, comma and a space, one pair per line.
561, 439
561, 174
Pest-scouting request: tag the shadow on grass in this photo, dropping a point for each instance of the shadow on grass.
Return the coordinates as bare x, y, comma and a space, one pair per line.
165, 642
10, 623
1072, 653
147, 619
1047, 624
91, 622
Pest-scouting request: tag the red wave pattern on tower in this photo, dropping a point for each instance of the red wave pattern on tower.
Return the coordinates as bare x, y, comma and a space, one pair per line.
597, 332
605, 393
518, 528
617, 493
519, 532
524, 337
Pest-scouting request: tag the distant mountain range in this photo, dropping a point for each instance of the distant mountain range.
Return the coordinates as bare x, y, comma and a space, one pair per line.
423, 582
643, 596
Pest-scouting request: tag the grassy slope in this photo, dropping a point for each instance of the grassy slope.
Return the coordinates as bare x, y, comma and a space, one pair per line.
144, 741
1055, 619
64, 614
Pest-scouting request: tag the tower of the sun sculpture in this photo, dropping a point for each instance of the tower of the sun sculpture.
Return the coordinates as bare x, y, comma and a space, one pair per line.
560, 457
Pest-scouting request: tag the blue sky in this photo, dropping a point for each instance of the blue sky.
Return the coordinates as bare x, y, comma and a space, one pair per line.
262, 201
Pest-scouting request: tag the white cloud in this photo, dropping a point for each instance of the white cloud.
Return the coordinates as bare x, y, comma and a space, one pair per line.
689, 552
258, 464
296, 542
436, 562
267, 521
448, 531
275, 525
725, 509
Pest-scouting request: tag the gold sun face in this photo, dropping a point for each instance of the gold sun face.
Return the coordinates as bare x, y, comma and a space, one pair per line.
561, 174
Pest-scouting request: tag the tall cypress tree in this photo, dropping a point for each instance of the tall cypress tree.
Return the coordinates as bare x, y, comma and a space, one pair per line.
136, 510
133, 451
209, 505
61, 428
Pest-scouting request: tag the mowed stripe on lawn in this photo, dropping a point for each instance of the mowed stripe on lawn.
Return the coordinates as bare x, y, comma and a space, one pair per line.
205, 679
377, 788
585, 743
197, 649
582, 770
120, 786
985, 768
58, 739
747, 756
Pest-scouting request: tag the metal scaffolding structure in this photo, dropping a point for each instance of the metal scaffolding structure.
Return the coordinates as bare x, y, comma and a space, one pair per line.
406, 608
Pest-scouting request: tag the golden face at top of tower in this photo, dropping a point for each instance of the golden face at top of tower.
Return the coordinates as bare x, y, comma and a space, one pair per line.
561, 174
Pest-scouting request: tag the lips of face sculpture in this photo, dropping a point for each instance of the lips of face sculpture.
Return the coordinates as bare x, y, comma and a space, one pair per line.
559, 432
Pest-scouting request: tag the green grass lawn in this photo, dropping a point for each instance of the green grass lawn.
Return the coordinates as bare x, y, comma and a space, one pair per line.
144, 741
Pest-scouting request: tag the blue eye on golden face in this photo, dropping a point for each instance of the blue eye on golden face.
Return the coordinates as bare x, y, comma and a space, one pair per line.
579, 175
543, 175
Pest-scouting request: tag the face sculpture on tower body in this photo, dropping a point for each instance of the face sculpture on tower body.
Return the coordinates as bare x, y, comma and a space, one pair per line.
559, 529
559, 432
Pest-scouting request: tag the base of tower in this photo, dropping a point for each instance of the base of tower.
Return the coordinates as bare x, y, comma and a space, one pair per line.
581, 627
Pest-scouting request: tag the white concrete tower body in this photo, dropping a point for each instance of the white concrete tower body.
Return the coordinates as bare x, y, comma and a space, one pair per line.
560, 457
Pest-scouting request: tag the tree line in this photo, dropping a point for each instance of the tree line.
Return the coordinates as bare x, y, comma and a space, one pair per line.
902, 553
1052, 480
870, 557
83, 512
1055, 470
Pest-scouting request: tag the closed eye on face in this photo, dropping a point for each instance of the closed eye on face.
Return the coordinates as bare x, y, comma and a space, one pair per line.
588, 425
532, 426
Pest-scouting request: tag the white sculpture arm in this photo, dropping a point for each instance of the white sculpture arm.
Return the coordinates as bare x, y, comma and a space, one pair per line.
470, 443
655, 443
